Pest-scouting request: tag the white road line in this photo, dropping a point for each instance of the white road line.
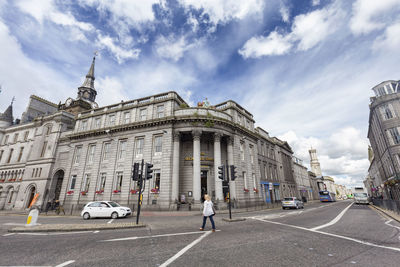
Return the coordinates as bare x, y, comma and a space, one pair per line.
15, 224
110, 221
388, 223
334, 235
65, 263
32, 233
182, 251
143, 237
9, 234
95, 232
58, 233
334, 220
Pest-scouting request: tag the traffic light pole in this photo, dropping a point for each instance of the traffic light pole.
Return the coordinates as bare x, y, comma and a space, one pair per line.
229, 190
140, 197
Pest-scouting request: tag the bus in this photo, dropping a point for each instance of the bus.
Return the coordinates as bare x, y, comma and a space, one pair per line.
326, 196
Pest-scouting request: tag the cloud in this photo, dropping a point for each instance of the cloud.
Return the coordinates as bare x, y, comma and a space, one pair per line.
285, 12
389, 40
110, 91
171, 47
307, 30
273, 44
120, 53
342, 154
223, 11
315, 2
370, 15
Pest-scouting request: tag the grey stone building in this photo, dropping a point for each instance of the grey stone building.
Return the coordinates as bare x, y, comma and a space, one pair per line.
302, 179
384, 137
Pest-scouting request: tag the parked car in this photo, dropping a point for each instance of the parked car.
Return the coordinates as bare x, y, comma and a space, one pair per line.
104, 209
292, 202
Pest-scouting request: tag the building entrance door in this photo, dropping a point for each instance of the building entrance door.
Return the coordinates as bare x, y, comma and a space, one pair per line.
31, 196
203, 184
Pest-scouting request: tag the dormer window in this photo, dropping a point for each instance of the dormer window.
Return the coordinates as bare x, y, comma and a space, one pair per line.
84, 125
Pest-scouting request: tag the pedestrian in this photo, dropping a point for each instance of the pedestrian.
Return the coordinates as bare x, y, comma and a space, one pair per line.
208, 212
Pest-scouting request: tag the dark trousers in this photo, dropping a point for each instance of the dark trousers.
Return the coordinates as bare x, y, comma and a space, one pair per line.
211, 219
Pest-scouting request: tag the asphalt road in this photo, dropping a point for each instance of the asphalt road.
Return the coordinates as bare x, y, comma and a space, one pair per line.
322, 234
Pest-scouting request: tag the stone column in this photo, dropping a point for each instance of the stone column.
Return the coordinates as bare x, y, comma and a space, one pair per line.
175, 168
231, 162
196, 166
217, 162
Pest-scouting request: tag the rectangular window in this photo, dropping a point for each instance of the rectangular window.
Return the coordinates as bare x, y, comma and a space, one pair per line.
5, 140
72, 183
157, 145
102, 184
86, 183
245, 180
241, 151
127, 117
77, 154
143, 114
251, 154
239, 119
266, 172
10, 155
92, 150
139, 147
15, 138
111, 120
84, 125
160, 111
106, 151
118, 181
157, 178
43, 149
21, 151
97, 122
395, 135
122, 149
26, 136
254, 180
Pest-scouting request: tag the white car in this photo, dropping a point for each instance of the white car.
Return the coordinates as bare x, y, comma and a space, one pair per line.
292, 202
104, 209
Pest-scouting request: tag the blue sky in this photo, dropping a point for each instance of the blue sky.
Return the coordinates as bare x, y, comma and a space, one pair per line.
303, 68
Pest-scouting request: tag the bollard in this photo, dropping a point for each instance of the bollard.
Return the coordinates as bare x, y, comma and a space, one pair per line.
32, 217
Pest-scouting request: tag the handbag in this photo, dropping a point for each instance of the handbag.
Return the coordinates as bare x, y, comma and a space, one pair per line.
213, 209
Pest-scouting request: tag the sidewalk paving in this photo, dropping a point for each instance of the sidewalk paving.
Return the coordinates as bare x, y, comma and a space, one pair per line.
389, 213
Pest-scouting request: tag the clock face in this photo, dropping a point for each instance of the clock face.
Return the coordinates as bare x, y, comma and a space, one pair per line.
68, 102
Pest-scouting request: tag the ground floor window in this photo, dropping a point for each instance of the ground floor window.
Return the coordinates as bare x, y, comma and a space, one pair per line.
118, 182
156, 178
102, 183
277, 195
73, 181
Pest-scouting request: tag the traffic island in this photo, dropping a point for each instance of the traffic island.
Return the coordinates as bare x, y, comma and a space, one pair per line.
234, 220
74, 227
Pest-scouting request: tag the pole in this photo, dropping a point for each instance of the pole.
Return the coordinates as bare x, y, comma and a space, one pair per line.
229, 190
140, 197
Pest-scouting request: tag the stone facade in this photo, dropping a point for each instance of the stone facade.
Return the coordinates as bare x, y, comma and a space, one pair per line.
384, 137
302, 180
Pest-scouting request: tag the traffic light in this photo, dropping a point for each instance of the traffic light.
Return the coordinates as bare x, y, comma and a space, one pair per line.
135, 171
221, 172
233, 172
149, 171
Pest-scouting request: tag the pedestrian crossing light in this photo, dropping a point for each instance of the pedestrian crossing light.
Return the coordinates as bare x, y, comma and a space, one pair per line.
149, 171
221, 172
135, 171
233, 172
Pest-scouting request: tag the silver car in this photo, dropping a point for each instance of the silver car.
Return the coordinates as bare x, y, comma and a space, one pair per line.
292, 202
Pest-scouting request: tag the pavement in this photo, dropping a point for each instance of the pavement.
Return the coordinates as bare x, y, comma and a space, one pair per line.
108, 226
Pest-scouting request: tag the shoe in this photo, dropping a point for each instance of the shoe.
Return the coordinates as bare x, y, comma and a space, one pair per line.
213, 230
201, 229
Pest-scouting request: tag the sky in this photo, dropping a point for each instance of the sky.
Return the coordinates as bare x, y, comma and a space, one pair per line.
303, 68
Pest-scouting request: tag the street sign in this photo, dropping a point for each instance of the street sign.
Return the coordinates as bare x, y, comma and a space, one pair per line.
271, 186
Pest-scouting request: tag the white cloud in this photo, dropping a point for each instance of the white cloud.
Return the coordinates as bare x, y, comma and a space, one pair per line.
307, 29
120, 53
389, 40
285, 12
370, 15
315, 2
111, 91
342, 154
273, 44
171, 48
222, 11
46, 9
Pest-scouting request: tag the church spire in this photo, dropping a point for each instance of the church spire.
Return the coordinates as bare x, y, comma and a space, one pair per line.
87, 92
89, 81
6, 118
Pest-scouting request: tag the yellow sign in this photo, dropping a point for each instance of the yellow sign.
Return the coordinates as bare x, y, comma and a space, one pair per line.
201, 158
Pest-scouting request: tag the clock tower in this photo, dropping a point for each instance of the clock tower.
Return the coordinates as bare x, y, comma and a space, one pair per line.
86, 97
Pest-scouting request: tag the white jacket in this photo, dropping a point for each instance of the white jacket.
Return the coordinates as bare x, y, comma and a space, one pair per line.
208, 210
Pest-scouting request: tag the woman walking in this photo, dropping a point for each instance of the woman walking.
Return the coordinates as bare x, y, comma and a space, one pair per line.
208, 212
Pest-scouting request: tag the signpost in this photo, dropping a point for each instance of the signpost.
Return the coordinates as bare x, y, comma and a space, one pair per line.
228, 173
140, 176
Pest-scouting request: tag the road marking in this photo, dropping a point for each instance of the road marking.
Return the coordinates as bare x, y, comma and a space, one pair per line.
143, 237
58, 233
65, 263
182, 251
15, 224
9, 234
95, 232
110, 221
334, 220
32, 233
388, 223
334, 235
